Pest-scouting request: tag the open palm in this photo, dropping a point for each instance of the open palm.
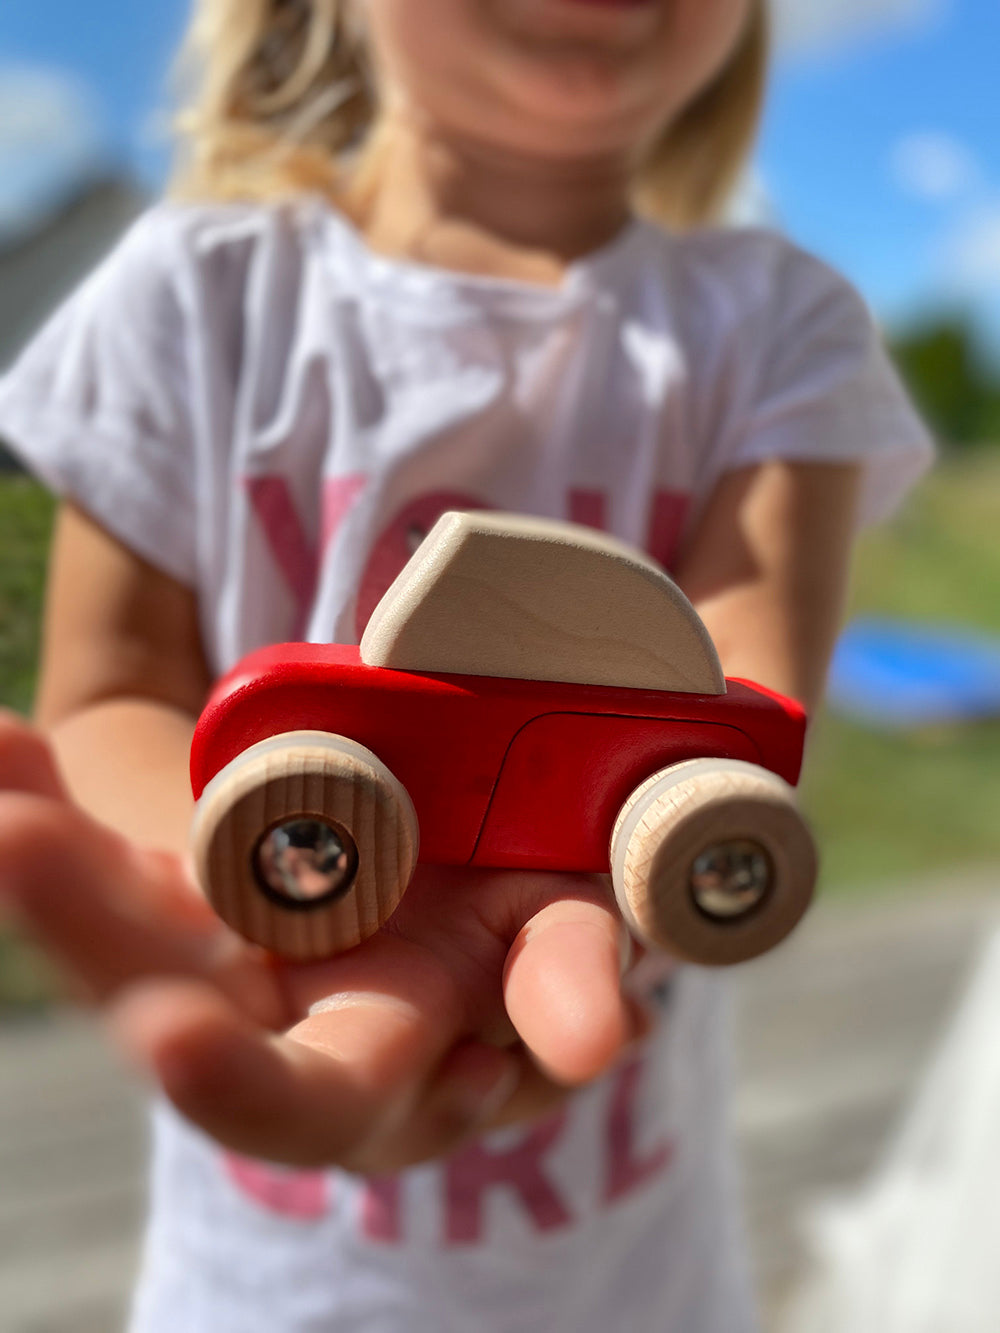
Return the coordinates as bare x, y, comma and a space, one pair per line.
484, 998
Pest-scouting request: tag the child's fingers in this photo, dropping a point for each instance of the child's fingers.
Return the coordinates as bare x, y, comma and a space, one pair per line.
371, 1085
102, 908
562, 987
27, 764
467, 1090
400, 1019
535, 1095
221, 1071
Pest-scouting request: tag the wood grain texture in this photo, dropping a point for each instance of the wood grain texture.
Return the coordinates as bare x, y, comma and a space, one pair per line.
533, 599
305, 774
671, 819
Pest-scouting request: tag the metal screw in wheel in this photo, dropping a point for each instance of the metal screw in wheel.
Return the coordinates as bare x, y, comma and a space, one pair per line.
305, 843
712, 861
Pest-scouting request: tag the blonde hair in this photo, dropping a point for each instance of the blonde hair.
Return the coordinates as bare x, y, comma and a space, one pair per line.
283, 101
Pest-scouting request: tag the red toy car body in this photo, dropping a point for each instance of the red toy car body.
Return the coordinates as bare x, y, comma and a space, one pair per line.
520, 773
318, 767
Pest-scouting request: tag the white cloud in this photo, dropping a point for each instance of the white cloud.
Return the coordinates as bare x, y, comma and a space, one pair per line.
751, 204
972, 252
803, 26
52, 139
934, 166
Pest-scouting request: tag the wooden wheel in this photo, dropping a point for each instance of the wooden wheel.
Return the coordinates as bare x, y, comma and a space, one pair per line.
711, 861
305, 843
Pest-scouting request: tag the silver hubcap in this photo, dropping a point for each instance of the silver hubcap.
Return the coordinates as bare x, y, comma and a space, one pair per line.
304, 862
730, 879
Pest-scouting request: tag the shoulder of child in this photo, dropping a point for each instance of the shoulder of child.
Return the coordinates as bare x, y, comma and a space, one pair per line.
754, 274
188, 261
173, 235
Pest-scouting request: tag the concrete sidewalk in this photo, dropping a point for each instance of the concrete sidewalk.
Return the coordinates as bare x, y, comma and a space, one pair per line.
835, 1032
835, 1029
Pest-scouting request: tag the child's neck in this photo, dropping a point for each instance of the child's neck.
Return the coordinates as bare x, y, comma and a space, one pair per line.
464, 205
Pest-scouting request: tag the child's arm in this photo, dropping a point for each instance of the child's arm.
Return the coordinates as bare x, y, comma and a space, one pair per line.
767, 569
122, 681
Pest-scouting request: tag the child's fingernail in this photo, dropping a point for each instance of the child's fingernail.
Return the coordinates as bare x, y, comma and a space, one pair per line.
482, 1079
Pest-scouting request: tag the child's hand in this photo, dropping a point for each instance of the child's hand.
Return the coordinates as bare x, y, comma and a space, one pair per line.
485, 997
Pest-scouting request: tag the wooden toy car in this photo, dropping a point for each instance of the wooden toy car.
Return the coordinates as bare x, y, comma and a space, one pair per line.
527, 694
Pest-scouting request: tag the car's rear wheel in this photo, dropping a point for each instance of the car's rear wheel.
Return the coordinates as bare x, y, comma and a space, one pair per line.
712, 861
305, 843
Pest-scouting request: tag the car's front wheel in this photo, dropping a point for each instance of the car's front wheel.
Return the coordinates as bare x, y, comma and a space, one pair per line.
712, 861
305, 843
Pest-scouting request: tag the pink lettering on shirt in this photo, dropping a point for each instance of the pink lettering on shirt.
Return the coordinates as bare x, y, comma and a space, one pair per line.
339, 496
626, 1168
381, 1209
474, 1171
397, 542
302, 1195
285, 532
667, 517
300, 559
668, 513
589, 508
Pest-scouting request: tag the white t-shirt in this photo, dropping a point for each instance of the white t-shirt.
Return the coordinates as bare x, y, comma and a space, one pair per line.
255, 402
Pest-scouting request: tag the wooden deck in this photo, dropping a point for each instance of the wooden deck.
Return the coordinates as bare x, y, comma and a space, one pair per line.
835, 1030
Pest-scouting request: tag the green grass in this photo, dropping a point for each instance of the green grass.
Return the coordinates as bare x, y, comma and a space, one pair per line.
940, 559
25, 524
889, 805
26, 513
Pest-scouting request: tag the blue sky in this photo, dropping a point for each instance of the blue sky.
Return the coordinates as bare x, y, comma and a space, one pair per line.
884, 155
880, 151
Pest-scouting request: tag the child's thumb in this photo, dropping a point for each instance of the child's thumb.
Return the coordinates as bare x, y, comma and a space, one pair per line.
27, 763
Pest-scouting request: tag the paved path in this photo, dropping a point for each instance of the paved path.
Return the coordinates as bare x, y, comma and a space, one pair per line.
835, 1029
71, 1179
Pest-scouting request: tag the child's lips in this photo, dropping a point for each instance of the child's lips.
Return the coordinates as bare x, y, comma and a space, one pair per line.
608, 4
596, 14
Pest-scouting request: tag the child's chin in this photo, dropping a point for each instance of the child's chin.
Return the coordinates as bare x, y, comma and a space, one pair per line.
573, 99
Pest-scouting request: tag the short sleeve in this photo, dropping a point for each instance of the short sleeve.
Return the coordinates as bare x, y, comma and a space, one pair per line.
823, 386
99, 404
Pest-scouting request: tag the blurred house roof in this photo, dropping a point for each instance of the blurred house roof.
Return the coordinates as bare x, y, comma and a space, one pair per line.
39, 269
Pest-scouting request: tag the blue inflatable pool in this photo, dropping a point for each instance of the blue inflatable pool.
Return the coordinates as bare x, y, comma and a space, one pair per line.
899, 674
